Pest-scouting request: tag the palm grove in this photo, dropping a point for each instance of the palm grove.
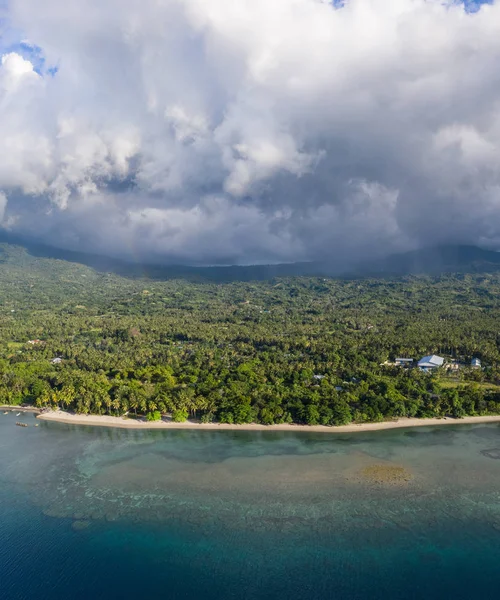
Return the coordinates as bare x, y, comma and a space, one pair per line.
301, 350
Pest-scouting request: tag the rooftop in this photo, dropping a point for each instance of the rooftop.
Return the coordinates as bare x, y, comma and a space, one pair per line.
431, 361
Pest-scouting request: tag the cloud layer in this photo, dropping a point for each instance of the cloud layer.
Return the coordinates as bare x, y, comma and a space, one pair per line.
251, 130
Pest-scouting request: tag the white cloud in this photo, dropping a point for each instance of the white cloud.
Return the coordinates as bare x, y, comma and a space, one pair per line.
253, 130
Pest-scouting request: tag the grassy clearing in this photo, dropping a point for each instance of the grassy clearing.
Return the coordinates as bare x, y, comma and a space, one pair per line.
15, 345
448, 384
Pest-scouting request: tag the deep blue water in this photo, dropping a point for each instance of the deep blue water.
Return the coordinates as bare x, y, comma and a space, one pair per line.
93, 513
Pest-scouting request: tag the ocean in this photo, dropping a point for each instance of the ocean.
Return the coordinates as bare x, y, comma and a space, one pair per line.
113, 513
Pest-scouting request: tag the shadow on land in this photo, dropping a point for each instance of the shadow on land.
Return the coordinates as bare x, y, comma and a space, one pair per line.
428, 261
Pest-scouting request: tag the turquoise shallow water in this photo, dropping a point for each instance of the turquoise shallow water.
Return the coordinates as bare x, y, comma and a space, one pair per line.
104, 513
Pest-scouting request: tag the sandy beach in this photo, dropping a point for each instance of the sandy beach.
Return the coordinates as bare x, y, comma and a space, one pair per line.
107, 421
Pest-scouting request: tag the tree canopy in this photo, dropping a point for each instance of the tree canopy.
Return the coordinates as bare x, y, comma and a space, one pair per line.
298, 349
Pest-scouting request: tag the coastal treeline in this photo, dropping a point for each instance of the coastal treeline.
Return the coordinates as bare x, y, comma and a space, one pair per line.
301, 350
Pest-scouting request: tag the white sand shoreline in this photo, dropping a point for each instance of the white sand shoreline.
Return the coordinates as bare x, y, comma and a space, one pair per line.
108, 421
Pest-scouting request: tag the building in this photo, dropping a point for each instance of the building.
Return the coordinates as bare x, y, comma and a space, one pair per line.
56, 361
475, 363
403, 362
428, 363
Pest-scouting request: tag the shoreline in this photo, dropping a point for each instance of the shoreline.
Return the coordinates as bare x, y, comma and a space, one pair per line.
21, 409
109, 421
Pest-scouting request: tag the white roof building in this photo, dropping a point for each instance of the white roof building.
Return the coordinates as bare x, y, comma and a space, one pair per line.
430, 362
403, 361
475, 362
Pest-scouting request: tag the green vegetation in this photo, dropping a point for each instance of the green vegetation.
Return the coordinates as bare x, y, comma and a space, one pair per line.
241, 352
154, 416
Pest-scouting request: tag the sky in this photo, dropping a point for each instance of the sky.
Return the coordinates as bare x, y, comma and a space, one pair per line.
250, 131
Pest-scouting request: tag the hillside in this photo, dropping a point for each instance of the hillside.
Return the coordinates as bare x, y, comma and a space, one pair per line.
434, 261
427, 261
287, 349
20, 253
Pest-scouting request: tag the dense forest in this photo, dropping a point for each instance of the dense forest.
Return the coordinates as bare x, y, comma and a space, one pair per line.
291, 349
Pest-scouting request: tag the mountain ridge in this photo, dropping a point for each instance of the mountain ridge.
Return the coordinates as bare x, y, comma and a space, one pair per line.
434, 261
426, 261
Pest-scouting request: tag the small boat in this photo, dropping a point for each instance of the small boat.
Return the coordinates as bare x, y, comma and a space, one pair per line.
6, 413
21, 424
18, 414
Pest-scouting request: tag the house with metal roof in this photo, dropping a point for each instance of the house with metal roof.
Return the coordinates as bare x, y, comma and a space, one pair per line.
428, 363
403, 362
475, 363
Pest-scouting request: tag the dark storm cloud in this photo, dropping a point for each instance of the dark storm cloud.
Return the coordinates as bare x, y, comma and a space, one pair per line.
251, 131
